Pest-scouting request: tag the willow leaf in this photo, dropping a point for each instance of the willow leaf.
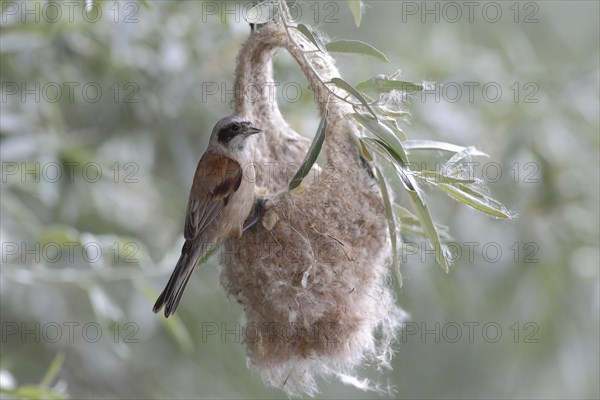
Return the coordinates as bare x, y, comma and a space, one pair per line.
364, 150
342, 84
479, 203
53, 370
429, 228
401, 168
391, 112
313, 153
391, 220
356, 10
467, 152
393, 125
434, 145
30, 392
355, 47
383, 132
411, 225
307, 32
436, 177
417, 231
383, 84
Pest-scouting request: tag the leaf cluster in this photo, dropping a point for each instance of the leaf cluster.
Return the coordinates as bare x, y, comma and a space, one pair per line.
376, 118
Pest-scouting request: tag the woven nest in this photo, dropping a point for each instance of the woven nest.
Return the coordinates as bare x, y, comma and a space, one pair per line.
312, 278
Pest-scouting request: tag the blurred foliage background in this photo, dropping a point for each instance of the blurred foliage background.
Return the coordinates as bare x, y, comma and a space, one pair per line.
121, 105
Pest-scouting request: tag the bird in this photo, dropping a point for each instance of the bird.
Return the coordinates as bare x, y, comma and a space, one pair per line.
220, 201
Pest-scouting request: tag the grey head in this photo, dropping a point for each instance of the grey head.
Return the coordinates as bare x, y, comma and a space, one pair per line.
230, 133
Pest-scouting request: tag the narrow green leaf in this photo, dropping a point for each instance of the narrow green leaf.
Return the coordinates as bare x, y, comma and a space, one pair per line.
146, 4
417, 231
434, 145
478, 194
406, 217
394, 113
467, 152
383, 84
31, 393
364, 150
342, 84
401, 168
410, 224
53, 370
479, 203
356, 10
211, 251
460, 165
355, 47
436, 177
391, 220
383, 132
307, 32
419, 204
393, 125
313, 153
262, 12
433, 236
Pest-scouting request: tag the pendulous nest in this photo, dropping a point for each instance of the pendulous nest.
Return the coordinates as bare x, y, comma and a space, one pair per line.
313, 277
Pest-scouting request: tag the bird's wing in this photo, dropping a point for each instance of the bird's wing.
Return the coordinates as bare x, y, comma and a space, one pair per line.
217, 177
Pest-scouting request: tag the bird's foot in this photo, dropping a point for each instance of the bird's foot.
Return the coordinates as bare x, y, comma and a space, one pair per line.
259, 211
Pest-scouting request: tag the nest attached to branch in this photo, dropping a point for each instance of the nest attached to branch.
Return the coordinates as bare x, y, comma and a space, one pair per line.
313, 277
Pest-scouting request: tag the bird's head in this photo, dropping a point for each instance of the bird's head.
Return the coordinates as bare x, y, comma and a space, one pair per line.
230, 134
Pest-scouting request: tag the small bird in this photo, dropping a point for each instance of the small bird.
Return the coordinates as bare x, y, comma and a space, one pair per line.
220, 200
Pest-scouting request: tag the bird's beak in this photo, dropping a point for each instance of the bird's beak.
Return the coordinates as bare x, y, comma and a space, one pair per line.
252, 131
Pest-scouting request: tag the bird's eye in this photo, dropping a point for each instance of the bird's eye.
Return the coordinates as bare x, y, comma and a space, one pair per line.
235, 127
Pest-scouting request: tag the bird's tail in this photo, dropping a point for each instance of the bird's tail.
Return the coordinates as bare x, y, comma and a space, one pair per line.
171, 295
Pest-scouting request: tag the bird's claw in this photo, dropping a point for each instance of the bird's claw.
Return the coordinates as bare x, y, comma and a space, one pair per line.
259, 211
